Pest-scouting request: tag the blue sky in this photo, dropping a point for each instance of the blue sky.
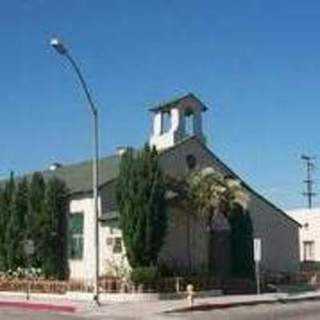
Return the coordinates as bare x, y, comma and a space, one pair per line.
256, 64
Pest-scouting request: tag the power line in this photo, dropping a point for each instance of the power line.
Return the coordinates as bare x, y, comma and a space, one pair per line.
309, 181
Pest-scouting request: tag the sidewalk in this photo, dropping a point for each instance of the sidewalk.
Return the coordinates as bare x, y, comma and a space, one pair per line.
40, 302
144, 310
138, 310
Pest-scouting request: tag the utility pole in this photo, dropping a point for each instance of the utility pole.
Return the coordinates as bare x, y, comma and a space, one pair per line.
309, 161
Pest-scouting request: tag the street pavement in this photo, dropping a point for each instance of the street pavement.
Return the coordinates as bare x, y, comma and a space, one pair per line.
292, 311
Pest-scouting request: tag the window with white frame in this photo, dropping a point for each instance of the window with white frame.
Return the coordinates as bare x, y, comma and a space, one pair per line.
117, 246
308, 251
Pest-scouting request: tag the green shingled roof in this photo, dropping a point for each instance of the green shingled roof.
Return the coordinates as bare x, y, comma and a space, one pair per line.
78, 177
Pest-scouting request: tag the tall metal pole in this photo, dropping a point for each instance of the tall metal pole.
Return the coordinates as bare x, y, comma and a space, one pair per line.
95, 160
95, 173
309, 185
309, 180
95, 168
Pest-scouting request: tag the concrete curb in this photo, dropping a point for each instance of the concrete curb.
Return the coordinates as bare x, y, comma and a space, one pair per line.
38, 306
214, 306
226, 305
297, 299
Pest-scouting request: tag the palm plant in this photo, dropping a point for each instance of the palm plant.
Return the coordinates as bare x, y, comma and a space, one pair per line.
205, 194
209, 193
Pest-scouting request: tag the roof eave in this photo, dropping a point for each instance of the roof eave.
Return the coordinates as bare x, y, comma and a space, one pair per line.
171, 104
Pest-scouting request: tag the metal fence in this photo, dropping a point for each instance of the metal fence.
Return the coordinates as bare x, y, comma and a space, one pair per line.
270, 282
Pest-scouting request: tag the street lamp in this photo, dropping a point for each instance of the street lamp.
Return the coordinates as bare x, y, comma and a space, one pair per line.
61, 49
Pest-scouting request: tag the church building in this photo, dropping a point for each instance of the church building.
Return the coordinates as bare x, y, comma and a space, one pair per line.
178, 136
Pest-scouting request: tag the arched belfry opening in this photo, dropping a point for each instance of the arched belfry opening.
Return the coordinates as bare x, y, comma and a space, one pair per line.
189, 119
166, 122
177, 120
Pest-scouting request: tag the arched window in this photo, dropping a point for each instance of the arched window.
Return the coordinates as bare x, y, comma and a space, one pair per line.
191, 161
166, 122
189, 123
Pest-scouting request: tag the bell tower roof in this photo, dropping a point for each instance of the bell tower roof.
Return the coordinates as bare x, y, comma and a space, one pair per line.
167, 106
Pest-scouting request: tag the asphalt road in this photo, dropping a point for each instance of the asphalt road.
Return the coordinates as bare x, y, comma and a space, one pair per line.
292, 311
297, 311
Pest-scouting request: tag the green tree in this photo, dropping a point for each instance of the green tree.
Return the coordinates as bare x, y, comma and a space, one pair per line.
142, 206
3, 222
241, 242
209, 192
17, 226
55, 263
10, 224
37, 218
36, 211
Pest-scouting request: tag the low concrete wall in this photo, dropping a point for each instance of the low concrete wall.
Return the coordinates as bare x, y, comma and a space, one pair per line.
134, 297
106, 297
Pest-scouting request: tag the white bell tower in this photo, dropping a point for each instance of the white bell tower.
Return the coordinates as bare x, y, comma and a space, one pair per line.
177, 120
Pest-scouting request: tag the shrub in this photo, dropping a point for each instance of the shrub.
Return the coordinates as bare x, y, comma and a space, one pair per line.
144, 275
165, 271
22, 273
142, 206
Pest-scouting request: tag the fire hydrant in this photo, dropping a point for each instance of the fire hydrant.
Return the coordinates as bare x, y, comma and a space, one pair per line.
190, 296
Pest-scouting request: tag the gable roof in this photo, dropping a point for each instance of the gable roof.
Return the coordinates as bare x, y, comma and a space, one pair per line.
230, 172
173, 103
250, 189
78, 177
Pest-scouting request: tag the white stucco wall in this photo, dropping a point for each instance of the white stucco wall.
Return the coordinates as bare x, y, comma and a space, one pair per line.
112, 264
84, 269
310, 228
